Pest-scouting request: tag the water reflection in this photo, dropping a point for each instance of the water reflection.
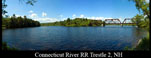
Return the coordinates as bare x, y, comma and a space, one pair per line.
73, 38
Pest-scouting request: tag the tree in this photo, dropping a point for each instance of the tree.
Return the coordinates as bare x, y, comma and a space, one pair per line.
142, 20
142, 6
3, 7
144, 14
103, 23
31, 2
68, 19
14, 16
20, 22
138, 19
12, 21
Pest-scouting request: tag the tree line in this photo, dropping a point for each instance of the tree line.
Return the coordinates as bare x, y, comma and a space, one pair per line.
76, 22
18, 22
142, 21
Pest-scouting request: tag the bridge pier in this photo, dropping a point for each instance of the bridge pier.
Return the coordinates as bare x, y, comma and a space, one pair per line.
103, 25
121, 24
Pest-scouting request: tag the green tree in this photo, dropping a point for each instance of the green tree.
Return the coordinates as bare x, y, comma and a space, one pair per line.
68, 19
12, 21
142, 6
138, 19
144, 14
4, 5
142, 20
20, 22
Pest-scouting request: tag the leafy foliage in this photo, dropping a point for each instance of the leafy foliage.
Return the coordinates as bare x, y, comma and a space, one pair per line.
142, 21
30, 2
142, 6
19, 22
4, 5
138, 19
76, 22
6, 47
143, 45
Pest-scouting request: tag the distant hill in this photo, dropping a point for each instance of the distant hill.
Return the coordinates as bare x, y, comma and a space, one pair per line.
75, 22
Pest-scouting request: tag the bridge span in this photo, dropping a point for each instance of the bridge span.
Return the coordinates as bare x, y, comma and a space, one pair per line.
117, 21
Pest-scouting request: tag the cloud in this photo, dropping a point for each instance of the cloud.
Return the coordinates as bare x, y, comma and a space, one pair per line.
42, 19
91, 17
16, 16
147, 1
74, 15
19, 15
44, 14
98, 18
30, 11
61, 16
64, 19
46, 20
81, 16
95, 18
6, 15
33, 15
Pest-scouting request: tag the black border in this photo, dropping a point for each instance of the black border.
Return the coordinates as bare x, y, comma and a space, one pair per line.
126, 54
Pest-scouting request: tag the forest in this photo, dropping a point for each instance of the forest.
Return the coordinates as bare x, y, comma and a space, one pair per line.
18, 22
142, 20
77, 22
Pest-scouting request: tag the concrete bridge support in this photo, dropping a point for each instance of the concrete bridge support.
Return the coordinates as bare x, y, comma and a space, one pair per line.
103, 25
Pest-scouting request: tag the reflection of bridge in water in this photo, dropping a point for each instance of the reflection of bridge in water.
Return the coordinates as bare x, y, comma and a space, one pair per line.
117, 21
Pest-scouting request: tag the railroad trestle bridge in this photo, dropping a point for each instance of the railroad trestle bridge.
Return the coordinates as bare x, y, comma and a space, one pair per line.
117, 21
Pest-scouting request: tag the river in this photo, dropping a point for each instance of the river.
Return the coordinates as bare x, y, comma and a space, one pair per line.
73, 38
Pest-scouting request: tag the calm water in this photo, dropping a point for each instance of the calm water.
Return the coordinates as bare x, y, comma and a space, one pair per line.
73, 38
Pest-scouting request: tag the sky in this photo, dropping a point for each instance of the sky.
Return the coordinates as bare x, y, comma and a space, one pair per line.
58, 10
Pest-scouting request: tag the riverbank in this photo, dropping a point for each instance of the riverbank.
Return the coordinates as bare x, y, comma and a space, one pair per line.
77, 22
6, 47
141, 45
3, 27
144, 43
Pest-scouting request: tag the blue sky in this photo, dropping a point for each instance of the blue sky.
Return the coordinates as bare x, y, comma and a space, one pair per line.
58, 10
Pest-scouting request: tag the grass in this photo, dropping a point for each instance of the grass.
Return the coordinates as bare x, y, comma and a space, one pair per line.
3, 27
6, 47
143, 44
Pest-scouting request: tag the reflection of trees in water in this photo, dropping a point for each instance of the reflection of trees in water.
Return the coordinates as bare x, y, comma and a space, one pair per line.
138, 33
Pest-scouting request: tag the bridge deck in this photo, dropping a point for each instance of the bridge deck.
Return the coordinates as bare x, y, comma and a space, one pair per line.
119, 23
